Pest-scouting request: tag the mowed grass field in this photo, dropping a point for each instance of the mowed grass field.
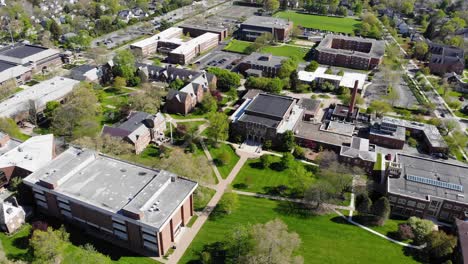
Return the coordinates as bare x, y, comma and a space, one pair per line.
335, 24
287, 51
253, 178
238, 46
224, 169
325, 239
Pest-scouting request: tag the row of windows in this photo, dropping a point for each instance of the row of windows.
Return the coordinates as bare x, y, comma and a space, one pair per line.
402, 201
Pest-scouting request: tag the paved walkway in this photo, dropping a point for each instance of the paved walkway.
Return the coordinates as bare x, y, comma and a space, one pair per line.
211, 161
193, 231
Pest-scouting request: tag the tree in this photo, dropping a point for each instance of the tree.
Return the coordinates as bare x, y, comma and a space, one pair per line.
319, 193
106, 144
421, 228
239, 244
50, 107
392, 95
312, 66
77, 117
224, 158
266, 161
176, 84
55, 30
381, 210
288, 141
208, 103
287, 67
228, 203
299, 178
327, 159
294, 80
120, 82
451, 125
286, 161
187, 165
439, 244
273, 243
380, 107
405, 232
363, 204
271, 5
218, 128
225, 78
88, 254
147, 99
48, 245
420, 49
124, 64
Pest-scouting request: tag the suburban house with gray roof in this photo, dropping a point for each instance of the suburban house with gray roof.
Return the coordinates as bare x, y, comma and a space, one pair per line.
427, 188
139, 129
134, 207
350, 52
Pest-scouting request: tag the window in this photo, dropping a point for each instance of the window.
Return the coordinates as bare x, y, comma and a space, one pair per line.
401, 201
42, 204
434, 204
421, 205
447, 206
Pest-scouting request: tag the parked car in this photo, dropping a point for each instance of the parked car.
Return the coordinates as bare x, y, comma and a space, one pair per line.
461, 98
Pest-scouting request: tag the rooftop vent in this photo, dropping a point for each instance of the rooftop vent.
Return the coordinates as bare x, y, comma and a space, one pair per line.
123, 170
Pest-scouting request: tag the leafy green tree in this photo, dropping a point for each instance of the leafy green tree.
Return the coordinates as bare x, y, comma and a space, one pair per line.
147, 99
439, 244
380, 107
124, 64
55, 30
177, 84
239, 244
224, 158
300, 179
420, 49
312, 66
421, 228
287, 161
271, 5
48, 245
225, 78
288, 142
120, 82
209, 103
50, 107
287, 67
363, 204
266, 161
218, 128
228, 203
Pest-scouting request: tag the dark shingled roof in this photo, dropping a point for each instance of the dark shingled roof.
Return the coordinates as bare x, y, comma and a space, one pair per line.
6, 65
134, 121
21, 51
274, 106
83, 68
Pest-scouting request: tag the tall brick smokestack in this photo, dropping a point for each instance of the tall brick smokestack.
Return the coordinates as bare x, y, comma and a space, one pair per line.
353, 100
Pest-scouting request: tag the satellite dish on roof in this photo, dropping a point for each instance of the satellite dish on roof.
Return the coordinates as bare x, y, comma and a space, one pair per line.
149, 123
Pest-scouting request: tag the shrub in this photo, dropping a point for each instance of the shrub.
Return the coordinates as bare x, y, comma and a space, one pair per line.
405, 232
266, 161
224, 158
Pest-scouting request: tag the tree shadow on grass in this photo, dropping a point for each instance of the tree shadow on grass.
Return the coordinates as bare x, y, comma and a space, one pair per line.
256, 165
240, 186
294, 209
21, 243
279, 190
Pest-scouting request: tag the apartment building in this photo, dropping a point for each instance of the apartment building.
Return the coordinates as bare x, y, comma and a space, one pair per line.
350, 52
149, 45
138, 208
186, 51
427, 188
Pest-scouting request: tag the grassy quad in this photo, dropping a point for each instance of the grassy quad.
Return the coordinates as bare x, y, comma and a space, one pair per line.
16, 248
299, 53
253, 178
238, 46
224, 169
334, 24
325, 239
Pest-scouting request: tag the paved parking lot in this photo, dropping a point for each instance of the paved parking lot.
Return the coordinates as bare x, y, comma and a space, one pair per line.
236, 11
378, 89
218, 58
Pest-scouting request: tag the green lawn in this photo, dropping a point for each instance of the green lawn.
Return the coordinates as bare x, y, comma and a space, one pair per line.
16, 247
202, 196
253, 178
335, 24
325, 239
224, 169
238, 46
287, 51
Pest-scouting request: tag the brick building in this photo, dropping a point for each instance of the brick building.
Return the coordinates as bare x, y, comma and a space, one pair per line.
139, 129
261, 65
445, 59
359, 153
141, 209
265, 117
34, 57
255, 26
195, 30
427, 188
187, 51
350, 52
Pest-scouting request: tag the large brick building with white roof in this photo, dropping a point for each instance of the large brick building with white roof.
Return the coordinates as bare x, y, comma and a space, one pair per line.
129, 205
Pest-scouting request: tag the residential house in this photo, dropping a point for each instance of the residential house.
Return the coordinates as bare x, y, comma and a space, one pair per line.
139, 129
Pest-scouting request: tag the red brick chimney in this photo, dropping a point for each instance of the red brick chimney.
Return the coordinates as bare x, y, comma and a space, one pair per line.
353, 100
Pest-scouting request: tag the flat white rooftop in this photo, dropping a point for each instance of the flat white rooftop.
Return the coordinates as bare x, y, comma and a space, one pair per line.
190, 45
164, 35
347, 80
41, 93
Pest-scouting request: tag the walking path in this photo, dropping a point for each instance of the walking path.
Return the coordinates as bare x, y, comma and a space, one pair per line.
190, 234
211, 161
